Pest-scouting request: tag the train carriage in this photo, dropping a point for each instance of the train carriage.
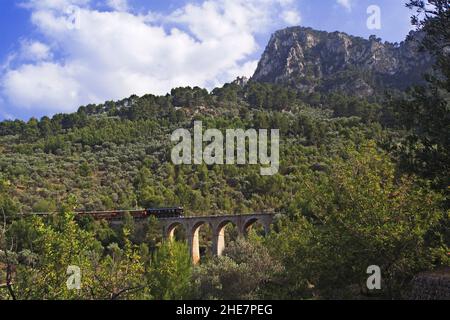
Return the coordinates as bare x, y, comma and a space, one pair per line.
160, 213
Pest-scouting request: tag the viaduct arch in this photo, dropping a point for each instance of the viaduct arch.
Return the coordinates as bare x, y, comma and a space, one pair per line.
218, 224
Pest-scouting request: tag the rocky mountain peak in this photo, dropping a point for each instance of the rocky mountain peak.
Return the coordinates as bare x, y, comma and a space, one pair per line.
317, 60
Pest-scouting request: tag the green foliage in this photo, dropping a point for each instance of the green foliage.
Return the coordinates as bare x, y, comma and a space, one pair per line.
170, 276
360, 215
47, 249
118, 275
426, 111
59, 245
245, 271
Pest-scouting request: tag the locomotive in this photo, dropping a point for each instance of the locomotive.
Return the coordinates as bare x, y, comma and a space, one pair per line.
175, 212
160, 213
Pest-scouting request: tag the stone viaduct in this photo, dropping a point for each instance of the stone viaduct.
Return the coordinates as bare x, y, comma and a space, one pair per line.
218, 224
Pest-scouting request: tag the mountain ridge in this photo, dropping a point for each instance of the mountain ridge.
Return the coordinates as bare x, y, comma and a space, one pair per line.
312, 60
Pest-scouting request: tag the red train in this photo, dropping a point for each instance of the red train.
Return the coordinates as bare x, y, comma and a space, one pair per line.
175, 212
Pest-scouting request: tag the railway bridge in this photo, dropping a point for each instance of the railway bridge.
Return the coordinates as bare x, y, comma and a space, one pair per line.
218, 224
172, 218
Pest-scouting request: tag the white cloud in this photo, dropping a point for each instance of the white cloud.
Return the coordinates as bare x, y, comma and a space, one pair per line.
347, 4
41, 86
118, 5
111, 55
291, 17
35, 51
246, 70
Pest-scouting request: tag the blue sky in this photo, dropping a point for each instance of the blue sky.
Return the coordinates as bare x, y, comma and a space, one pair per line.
56, 55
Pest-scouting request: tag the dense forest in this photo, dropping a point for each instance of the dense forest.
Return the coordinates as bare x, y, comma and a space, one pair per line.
362, 181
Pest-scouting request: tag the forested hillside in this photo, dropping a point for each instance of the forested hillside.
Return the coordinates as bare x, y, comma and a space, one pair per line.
362, 180
117, 155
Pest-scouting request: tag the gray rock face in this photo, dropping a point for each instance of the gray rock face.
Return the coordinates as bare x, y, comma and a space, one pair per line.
241, 81
314, 60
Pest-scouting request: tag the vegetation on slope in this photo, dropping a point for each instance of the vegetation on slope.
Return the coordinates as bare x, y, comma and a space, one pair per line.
361, 182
